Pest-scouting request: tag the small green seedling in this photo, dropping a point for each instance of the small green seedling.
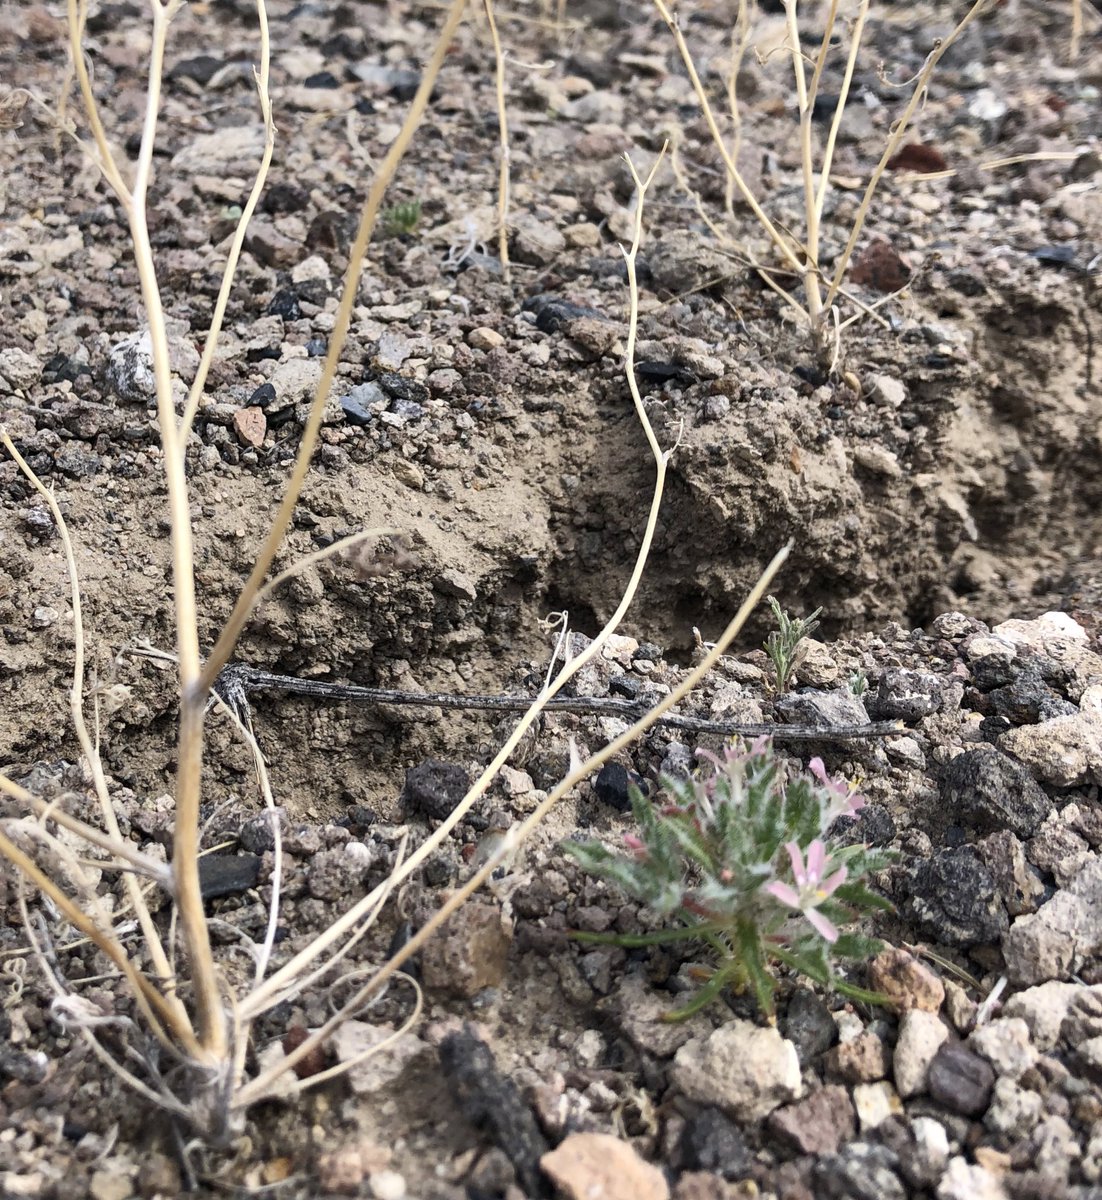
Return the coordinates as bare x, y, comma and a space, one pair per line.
402, 218
783, 645
740, 857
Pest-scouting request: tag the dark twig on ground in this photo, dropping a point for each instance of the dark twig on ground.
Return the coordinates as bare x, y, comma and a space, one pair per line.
238, 681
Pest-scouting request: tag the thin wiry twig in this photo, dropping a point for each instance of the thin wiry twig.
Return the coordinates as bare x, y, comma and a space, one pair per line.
239, 680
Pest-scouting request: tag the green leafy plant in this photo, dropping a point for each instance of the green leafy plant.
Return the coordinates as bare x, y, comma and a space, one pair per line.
783, 645
740, 857
402, 218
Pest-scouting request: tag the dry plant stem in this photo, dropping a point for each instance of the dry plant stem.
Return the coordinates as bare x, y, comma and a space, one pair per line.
740, 39
211, 1029
856, 35
806, 99
994, 164
775, 235
160, 1099
899, 129
316, 556
120, 848
236, 622
264, 784
1076, 29
211, 345
503, 136
267, 993
115, 841
260, 1088
156, 1009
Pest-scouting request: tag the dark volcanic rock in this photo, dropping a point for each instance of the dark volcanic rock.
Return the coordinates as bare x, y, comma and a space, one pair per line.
493, 1102
862, 1171
960, 1079
809, 1026
953, 899
988, 790
711, 1141
433, 788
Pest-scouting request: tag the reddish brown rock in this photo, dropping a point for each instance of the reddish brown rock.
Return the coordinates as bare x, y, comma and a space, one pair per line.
905, 981
817, 1125
598, 1166
250, 425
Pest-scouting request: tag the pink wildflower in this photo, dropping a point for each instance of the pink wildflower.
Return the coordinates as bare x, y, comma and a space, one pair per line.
844, 800
812, 887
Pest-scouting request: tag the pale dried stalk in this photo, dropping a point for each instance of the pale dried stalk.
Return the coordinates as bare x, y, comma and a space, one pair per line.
992, 164
139, 862
815, 184
856, 36
317, 556
114, 840
160, 1015
229, 273
894, 142
210, 1025
503, 140
207, 1043
806, 99
775, 236
740, 39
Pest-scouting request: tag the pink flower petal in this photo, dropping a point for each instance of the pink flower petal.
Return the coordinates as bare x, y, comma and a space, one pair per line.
797, 860
816, 857
821, 925
784, 893
828, 886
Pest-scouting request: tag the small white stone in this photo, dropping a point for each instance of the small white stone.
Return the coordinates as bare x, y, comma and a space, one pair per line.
986, 645
314, 267
1006, 1046
1036, 632
740, 1067
387, 1185
485, 338
963, 1181
18, 368
1043, 1008
920, 1036
875, 1103
926, 202
883, 389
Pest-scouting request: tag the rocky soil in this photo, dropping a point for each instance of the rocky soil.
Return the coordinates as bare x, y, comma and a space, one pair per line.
941, 485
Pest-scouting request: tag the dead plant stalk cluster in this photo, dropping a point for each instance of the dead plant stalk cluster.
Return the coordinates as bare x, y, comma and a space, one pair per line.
801, 258
183, 1000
